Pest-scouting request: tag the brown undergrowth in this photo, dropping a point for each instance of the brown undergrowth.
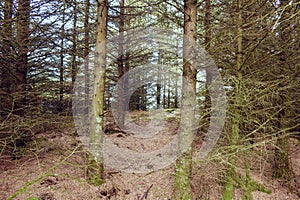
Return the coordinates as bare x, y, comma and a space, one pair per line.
53, 165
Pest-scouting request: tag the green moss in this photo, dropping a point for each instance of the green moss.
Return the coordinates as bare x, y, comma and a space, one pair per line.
228, 189
182, 187
170, 110
95, 173
95, 180
33, 198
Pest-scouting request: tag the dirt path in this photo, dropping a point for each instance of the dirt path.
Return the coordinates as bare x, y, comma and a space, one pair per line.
55, 167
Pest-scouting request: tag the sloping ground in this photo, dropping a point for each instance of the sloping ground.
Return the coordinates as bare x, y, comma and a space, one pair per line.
54, 167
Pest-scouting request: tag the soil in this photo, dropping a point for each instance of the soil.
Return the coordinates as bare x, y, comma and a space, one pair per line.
53, 167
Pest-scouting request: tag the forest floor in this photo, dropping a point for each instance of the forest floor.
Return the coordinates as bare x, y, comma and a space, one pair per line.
53, 167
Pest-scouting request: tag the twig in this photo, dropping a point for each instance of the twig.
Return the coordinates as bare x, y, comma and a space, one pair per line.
147, 192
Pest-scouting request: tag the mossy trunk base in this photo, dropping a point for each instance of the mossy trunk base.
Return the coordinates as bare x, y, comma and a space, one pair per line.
94, 172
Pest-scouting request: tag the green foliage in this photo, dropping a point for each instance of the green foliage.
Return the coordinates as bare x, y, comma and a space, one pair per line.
20, 135
33, 198
247, 185
228, 188
251, 44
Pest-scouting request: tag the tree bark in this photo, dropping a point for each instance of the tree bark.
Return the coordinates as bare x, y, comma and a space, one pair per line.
235, 127
74, 40
62, 51
176, 82
144, 97
121, 89
164, 92
208, 76
169, 93
158, 85
98, 101
282, 166
182, 187
7, 79
86, 54
23, 20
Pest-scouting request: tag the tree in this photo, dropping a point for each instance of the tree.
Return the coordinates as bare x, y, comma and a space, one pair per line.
97, 124
182, 187
74, 40
208, 78
86, 51
237, 98
23, 20
121, 71
255, 86
159, 82
7, 71
62, 53
287, 76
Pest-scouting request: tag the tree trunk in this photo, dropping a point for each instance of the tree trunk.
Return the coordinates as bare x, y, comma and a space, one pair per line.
169, 93
182, 187
235, 127
282, 166
127, 67
74, 40
176, 82
158, 84
208, 78
144, 97
176, 93
96, 130
62, 51
164, 92
23, 20
7, 79
86, 54
121, 89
